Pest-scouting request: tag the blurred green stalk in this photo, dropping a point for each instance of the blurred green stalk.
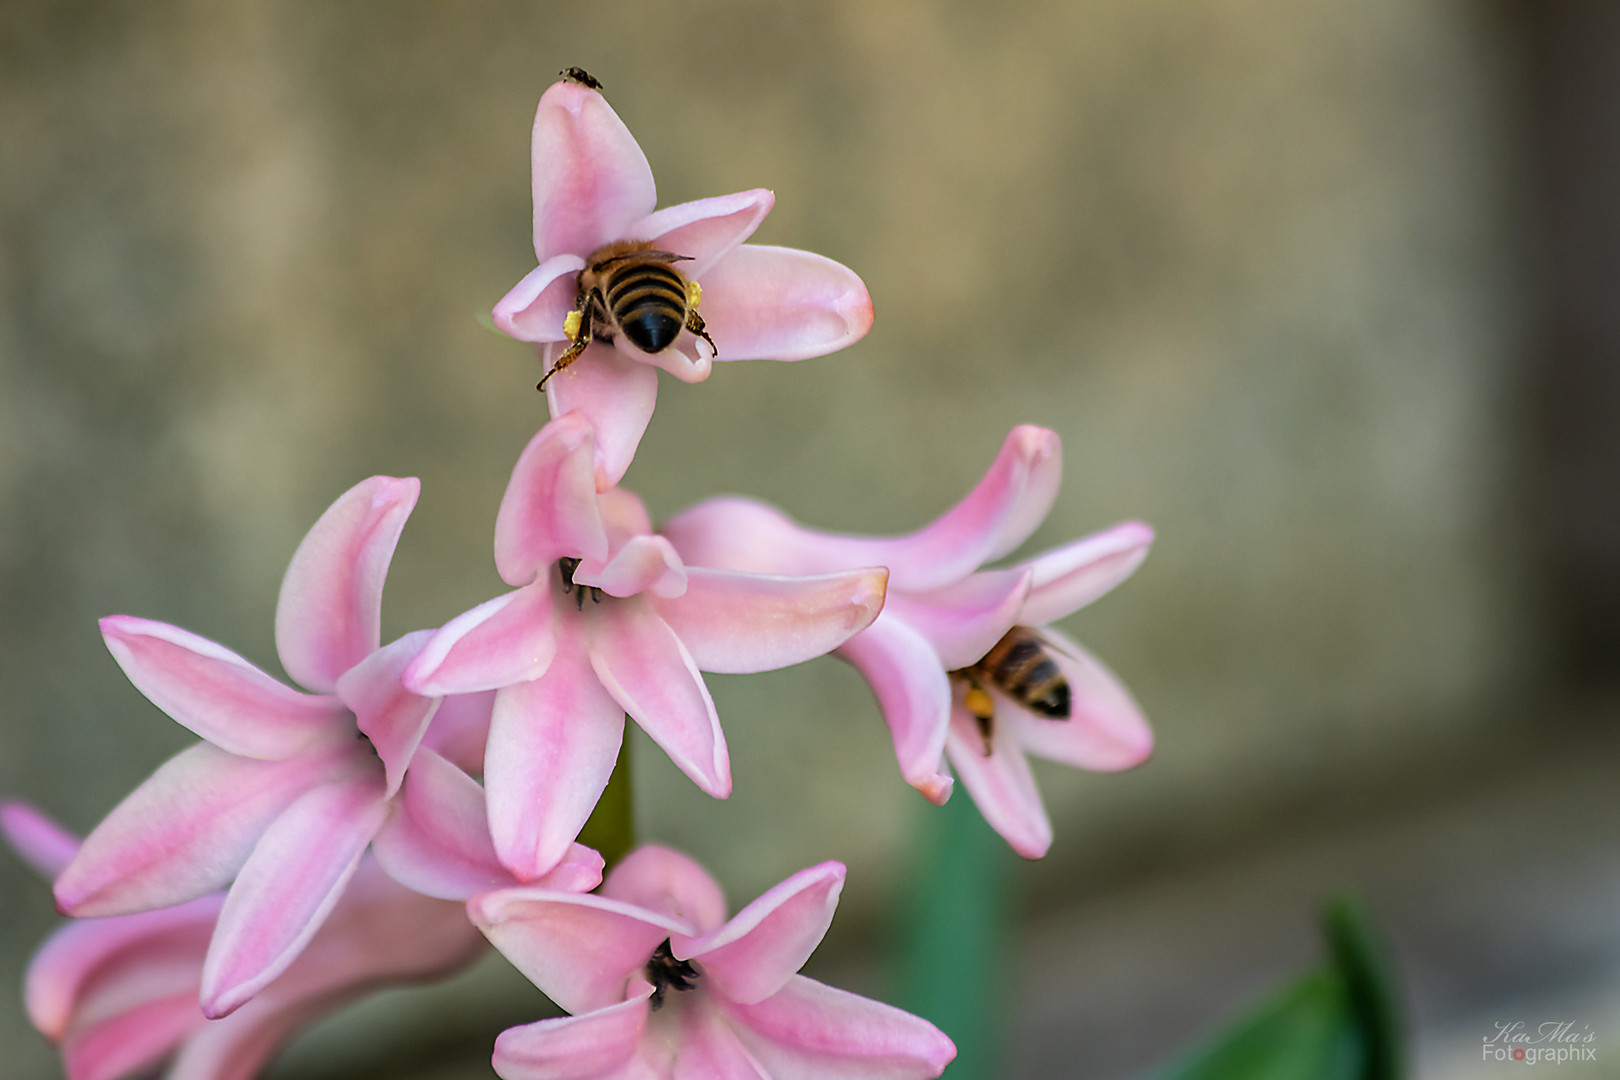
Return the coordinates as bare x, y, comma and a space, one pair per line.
611, 829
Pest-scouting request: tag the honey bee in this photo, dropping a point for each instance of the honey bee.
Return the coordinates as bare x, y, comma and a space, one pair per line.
631, 288
1019, 666
581, 76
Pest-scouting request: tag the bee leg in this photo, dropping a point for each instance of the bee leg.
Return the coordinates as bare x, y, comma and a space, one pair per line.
577, 326
980, 706
694, 321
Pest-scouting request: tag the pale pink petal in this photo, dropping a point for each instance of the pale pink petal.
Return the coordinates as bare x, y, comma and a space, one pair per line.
436, 840
749, 958
460, 729
624, 514
963, 621
329, 615
687, 358
507, 640
42, 843
552, 745
809, 1031
393, 718
239, 1046
614, 392
739, 623
776, 303
1105, 731
187, 829
580, 950
130, 1040
217, 694
914, 693
642, 564
591, 180
732, 533
651, 675
597, 1046
288, 886
118, 960
549, 510
535, 308
1002, 786
1074, 575
665, 881
704, 231
705, 1048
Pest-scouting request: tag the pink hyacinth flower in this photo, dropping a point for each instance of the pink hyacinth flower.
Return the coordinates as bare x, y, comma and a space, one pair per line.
662, 986
944, 614
593, 187
288, 788
606, 620
119, 995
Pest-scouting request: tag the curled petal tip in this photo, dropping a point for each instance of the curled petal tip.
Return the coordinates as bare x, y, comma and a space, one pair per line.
1035, 443
936, 788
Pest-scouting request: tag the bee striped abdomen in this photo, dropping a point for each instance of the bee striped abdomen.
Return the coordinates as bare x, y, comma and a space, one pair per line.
1020, 665
648, 304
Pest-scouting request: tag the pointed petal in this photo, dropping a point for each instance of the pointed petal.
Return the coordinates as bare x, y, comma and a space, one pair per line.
752, 956
535, 308
1105, 731
596, 1046
186, 830
651, 675
507, 640
665, 881
707, 230
615, 392
216, 693
436, 840
1002, 786
776, 303
705, 1048
329, 615
809, 1031
41, 842
549, 510
552, 745
580, 950
741, 623
642, 564
288, 886
1074, 575
914, 693
964, 620
393, 718
591, 180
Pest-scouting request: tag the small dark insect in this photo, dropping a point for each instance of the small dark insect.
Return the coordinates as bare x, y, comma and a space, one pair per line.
566, 568
630, 288
667, 973
1019, 666
581, 76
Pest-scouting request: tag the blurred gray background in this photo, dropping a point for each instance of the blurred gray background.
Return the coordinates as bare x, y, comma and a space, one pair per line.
1322, 290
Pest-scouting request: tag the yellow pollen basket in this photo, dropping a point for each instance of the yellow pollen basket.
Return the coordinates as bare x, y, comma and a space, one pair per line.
694, 294
571, 325
978, 702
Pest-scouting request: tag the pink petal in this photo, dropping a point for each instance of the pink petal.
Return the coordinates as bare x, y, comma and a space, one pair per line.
436, 840
963, 621
580, 950
549, 510
1001, 784
535, 308
329, 615
598, 1045
704, 231
808, 1031
672, 884
642, 564
239, 1046
705, 1048
738, 623
130, 1040
614, 392
647, 670
687, 359
1074, 575
217, 694
591, 180
186, 830
776, 303
507, 640
287, 888
552, 746
460, 729
42, 843
749, 958
393, 718
914, 693
731, 533
1105, 731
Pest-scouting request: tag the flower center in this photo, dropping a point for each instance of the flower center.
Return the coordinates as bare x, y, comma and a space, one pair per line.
667, 973
566, 568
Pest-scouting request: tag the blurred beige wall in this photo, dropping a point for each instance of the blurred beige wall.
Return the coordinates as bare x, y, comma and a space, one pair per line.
1253, 260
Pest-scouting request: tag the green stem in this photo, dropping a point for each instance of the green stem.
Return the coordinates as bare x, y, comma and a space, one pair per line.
611, 829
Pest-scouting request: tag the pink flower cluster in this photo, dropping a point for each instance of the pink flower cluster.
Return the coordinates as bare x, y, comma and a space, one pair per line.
408, 800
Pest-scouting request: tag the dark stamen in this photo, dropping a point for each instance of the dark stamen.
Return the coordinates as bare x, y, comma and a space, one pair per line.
566, 566
667, 973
